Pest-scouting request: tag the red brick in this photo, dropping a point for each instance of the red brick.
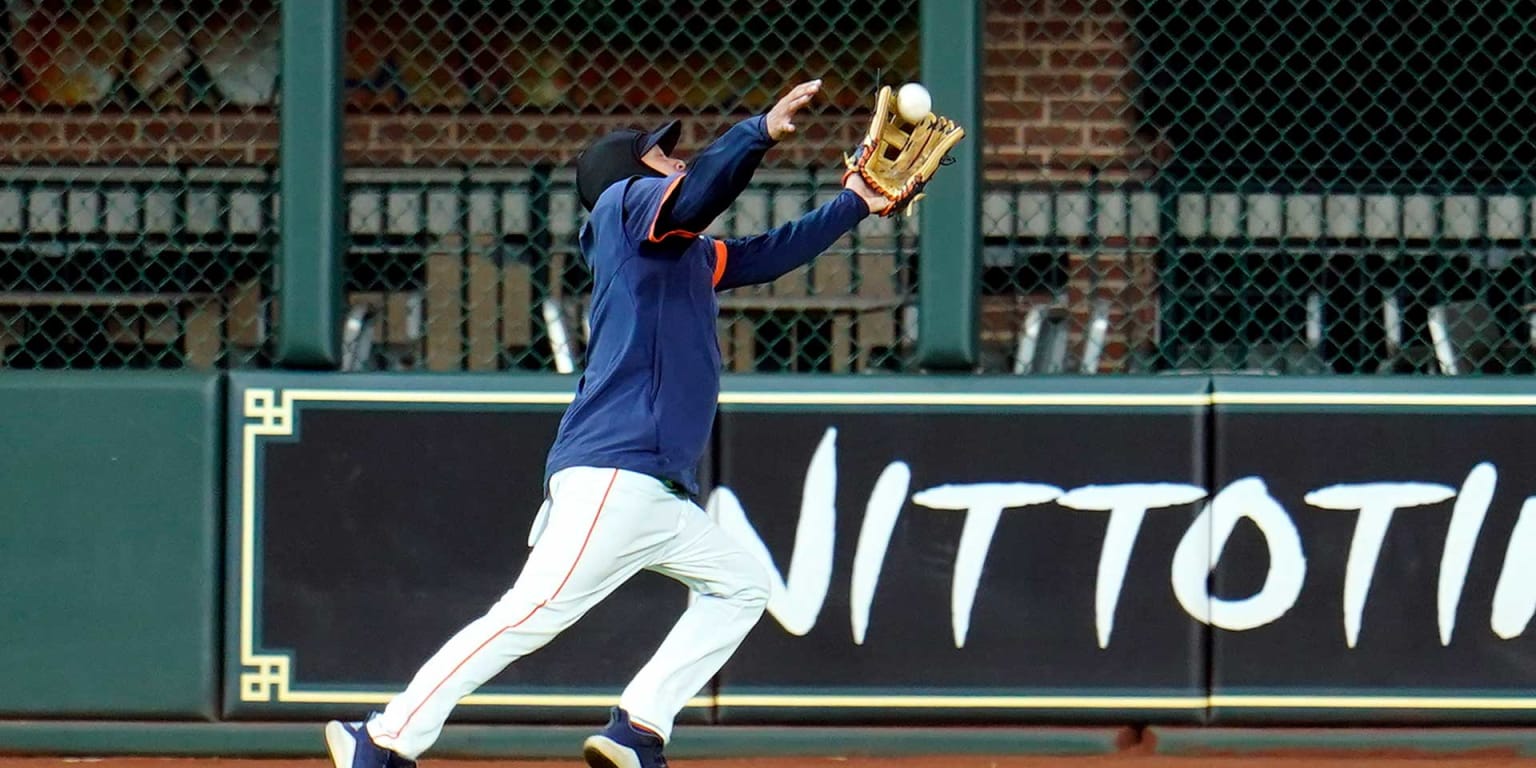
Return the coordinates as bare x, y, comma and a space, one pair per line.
699, 132
515, 132
121, 155
1090, 58
261, 154
70, 154
428, 140
1109, 288
1010, 60
359, 155
95, 130
998, 134
27, 153
1053, 136
1077, 110
1012, 109
1087, 7
1003, 32
31, 130
818, 132
551, 133
1012, 157
1000, 85
409, 129
1016, 7
1110, 83
1117, 136
487, 130
1113, 29
1114, 269
220, 155
1050, 30
1052, 84
434, 132
1114, 353
1097, 158
382, 130
253, 129
168, 129
356, 132
492, 155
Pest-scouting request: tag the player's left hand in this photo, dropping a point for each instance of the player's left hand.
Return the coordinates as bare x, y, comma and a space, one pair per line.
876, 201
781, 119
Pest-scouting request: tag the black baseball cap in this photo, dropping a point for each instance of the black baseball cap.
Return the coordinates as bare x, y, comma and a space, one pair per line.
665, 137
616, 156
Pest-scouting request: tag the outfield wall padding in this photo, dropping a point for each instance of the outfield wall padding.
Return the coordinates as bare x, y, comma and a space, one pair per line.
947, 550
1378, 571
109, 486
372, 516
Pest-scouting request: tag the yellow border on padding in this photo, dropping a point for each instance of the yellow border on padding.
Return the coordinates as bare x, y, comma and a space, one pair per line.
959, 398
1373, 702
1370, 398
960, 702
1295, 701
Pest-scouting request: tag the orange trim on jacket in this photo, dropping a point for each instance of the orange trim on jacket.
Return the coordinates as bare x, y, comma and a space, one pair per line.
650, 234
720, 258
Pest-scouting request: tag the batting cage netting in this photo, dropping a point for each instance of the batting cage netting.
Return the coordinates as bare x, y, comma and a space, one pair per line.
1307, 187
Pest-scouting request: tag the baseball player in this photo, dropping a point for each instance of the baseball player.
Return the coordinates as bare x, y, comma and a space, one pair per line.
620, 478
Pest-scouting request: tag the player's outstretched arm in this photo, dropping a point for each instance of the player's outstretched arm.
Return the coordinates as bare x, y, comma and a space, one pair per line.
764, 258
722, 171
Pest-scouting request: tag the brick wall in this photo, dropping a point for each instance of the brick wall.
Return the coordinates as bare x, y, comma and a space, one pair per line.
1057, 100
148, 139
1057, 88
1058, 108
371, 140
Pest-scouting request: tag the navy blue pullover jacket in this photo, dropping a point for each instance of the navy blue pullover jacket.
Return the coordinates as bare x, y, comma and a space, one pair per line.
646, 400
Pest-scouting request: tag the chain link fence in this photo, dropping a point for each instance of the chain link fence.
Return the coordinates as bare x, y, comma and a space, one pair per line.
463, 119
137, 148
1305, 187
1317, 186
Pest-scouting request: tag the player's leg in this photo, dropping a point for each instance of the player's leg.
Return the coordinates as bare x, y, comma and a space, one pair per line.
600, 531
730, 591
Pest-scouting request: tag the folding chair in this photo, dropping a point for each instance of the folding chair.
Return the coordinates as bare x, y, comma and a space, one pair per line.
1095, 337
1042, 345
1402, 357
357, 334
562, 346
1467, 338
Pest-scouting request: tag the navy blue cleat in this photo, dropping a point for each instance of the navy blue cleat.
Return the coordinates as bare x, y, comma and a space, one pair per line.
621, 744
351, 747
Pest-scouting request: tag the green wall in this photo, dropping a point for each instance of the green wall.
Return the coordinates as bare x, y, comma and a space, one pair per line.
112, 563
109, 545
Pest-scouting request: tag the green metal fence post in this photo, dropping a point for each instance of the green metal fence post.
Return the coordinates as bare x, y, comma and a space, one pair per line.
949, 251
310, 240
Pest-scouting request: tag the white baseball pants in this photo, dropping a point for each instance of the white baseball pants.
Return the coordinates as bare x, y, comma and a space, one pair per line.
598, 528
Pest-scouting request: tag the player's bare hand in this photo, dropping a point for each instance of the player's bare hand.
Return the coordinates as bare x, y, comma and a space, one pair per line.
873, 199
781, 119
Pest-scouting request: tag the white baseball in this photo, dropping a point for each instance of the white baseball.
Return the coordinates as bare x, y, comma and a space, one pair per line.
913, 102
